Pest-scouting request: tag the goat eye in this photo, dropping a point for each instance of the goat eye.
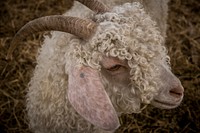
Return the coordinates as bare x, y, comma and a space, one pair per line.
114, 68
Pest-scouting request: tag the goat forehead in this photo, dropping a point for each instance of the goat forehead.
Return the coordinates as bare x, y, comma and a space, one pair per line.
120, 34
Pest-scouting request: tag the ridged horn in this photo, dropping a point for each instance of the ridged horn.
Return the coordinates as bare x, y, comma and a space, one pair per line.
80, 27
95, 5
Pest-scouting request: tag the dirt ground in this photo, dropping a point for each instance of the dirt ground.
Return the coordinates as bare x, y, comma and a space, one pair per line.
183, 44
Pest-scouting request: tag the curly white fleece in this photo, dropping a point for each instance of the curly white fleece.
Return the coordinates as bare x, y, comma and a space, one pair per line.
127, 32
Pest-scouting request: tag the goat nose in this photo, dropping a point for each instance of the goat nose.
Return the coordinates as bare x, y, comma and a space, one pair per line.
177, 92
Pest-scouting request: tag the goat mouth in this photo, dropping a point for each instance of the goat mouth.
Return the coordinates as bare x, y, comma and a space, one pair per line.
164, 104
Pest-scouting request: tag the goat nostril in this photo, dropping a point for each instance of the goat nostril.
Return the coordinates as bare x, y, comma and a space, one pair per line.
176, 92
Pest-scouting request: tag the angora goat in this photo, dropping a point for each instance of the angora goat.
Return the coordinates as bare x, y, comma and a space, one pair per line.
113, 62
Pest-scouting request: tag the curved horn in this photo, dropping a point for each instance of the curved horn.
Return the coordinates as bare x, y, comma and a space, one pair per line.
95, 5
79, 27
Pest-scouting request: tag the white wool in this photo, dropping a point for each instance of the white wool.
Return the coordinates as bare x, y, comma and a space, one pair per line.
127, 32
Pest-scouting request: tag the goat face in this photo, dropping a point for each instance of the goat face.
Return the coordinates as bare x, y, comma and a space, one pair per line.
116, 80
124, 63
170, 91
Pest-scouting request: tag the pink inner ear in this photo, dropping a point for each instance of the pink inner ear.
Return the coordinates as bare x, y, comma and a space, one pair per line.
88, 97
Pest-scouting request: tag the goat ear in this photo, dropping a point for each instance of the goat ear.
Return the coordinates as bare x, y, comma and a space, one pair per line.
89, 98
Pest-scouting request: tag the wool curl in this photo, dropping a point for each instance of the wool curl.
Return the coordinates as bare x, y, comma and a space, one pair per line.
128, 33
